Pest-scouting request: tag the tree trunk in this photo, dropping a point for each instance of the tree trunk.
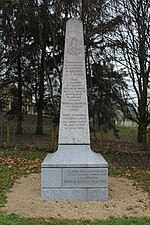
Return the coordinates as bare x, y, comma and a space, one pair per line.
39, 128
19, 95
142, 135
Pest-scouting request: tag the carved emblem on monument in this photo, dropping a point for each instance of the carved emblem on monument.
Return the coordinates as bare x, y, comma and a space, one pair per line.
74, 46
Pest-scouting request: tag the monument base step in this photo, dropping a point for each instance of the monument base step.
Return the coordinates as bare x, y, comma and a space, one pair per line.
74, 156
74, 172
88, 194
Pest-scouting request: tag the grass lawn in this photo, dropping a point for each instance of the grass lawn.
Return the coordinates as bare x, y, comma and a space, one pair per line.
15, 220
123, 161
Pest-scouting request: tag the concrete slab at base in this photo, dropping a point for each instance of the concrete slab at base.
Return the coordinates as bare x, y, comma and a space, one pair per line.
95, 194
75, 172
51, 177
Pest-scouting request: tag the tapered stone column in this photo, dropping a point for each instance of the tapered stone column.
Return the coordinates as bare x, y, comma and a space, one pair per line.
74, 172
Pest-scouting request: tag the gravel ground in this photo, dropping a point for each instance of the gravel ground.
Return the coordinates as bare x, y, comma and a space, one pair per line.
125, 200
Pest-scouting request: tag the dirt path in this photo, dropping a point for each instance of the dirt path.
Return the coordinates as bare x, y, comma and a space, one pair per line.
125, 200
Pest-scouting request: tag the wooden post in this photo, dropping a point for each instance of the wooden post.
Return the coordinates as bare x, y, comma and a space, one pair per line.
52, 136
148, 138
13, 135
1, 133
101, 137
8, 134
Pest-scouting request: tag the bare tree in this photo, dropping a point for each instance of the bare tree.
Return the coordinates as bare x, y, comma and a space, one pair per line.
131, 48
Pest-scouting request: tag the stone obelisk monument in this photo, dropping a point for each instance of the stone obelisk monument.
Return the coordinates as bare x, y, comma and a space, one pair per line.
74, 172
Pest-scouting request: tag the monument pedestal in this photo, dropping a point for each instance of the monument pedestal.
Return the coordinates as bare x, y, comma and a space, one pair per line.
74, 172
